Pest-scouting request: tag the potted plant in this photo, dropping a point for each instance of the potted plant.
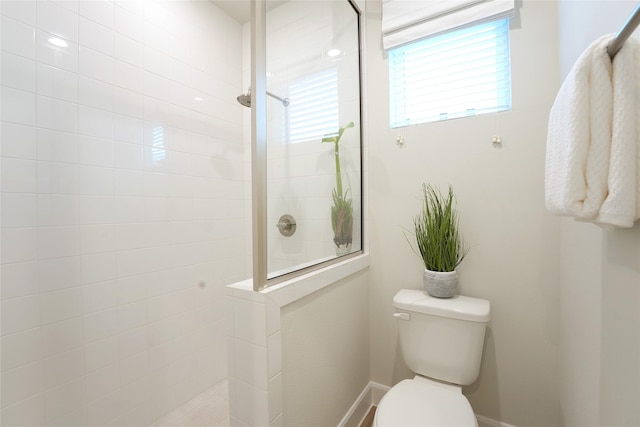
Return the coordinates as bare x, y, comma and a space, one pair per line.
342, 208
439, 242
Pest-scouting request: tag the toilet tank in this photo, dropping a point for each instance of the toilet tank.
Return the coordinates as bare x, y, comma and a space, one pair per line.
442, 338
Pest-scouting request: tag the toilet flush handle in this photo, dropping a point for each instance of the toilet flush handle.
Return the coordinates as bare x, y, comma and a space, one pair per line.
402, 316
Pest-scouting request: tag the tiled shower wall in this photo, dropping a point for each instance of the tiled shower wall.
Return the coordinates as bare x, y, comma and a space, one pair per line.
122, 206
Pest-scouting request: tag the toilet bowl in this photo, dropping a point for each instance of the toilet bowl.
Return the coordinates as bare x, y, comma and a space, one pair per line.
420, 402
441, 342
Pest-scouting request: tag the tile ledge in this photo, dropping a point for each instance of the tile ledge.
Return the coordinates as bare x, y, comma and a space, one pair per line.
302, 286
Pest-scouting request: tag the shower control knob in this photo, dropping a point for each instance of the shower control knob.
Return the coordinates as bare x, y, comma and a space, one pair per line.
287, 225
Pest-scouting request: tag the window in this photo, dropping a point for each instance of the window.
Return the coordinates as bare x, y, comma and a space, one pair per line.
456, 74
313, 111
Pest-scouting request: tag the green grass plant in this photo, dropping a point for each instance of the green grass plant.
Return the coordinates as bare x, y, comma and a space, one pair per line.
437, 233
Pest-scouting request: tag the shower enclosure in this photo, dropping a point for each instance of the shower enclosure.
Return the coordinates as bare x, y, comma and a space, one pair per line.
129, 175
306, 136
122, 206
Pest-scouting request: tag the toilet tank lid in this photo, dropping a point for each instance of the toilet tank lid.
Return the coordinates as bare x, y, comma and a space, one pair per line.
458, 307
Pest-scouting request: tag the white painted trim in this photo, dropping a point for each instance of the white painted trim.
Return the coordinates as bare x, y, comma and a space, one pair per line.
369, 397
490, 422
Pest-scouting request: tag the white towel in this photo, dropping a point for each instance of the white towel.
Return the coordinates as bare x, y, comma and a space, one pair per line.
592, 141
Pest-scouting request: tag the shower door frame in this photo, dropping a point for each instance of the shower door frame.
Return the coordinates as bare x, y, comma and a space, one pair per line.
259, 153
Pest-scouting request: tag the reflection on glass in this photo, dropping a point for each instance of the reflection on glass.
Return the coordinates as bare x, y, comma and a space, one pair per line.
313, 143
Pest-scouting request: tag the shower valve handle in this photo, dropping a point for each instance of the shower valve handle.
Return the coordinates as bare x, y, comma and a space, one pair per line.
287, 225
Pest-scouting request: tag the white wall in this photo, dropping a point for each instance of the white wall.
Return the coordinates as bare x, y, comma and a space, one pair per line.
600, 299
121, 194
325, 352
513, 258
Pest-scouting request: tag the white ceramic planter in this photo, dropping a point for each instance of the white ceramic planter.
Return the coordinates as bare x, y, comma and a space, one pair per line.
440, 284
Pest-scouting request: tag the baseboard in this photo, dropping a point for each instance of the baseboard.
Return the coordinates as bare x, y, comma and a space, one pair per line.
489, 422
370, 396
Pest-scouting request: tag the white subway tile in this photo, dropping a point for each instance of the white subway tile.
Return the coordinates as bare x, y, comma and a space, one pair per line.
132, 288
65, 399
57, 209
57, 178
95, 122
57, 83
100, 325
18, 141
129, 209
55, 242
131, 316
19, 279
17, 37
95, 94
129, 183
252, 404
57, 20
61, 57
95, 65
96, 37
18, 210
128, 76
127, 22
54, 146
18, 72
155, 36
21, 348
59, 273
134, 369
19, 314
18, 106
102, 410
274, 350
97, 238
98, 267
21, 383
100, 11
251, 363
61, 336
133, 342
129, 50
23, 11
275, 396
76, 418
129, 103
57, 115
102, 382
128, 129
95, 181
128, 264
100, 354
130, 236
162, 331
29, 412
95, 151
96, 209
60, 305
63, 368
249, 321
99, 296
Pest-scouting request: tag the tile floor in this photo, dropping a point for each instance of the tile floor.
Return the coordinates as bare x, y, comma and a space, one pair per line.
208, 409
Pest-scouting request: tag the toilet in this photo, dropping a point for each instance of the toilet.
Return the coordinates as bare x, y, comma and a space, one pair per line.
441, 341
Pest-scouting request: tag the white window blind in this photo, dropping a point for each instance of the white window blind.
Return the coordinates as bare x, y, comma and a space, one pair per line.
456, 74
406, 21
313, 111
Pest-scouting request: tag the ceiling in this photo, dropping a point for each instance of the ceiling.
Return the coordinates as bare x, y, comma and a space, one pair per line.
240, 10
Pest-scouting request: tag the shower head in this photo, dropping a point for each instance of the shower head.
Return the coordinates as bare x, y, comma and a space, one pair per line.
245, 99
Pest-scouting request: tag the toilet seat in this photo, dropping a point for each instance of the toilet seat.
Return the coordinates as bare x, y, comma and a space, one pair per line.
420, 403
